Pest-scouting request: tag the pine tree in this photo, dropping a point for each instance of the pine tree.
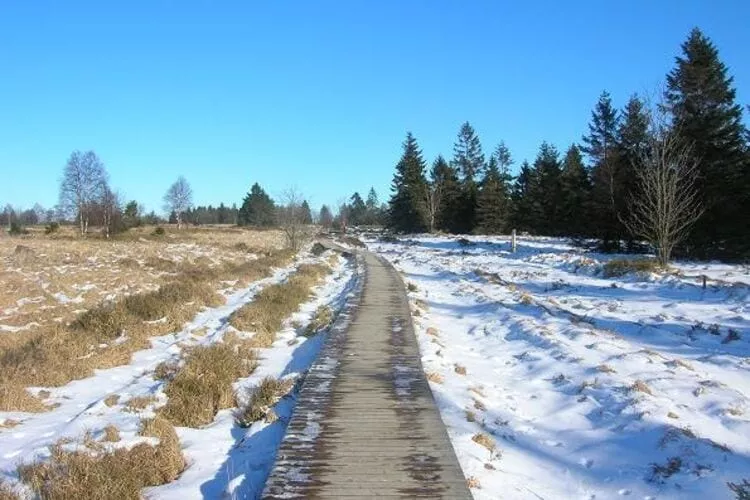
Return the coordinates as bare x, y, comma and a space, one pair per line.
491, 216
526, 212
444, 181
600, 145
372, 206
258, 209
407, 210
468, 160
633, 136
325, 218
575, 191
306, 213
701, 99
357, 210
547, 167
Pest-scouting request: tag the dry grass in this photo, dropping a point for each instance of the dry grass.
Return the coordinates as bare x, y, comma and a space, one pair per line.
473, 483
432, 331
321, 320
620, 267
122, 473
641, 386
112, 400
470, 416
261, 399
111, 434
166, 370
605, 369
485, 441
203, 385
461, 370
107, 335
139, 403
266, 314
8, 492
435, 377
9, 423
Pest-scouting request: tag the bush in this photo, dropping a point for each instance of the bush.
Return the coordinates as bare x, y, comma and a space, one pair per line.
620, 267
465, 243
52, 227
158, 231
16, 229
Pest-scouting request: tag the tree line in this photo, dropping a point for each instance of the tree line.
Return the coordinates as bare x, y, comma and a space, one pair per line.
675, 173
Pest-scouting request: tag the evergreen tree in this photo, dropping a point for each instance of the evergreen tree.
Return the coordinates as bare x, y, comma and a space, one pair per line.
306, 217
525, 204
373, 215
600, 145
407, 208
575, 191
547, 167
491, 216
325, 218
468, 160
633, 136
357, 210
445, 184
258, 209
701, 99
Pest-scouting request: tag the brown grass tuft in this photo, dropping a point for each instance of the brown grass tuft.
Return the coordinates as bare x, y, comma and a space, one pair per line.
640, 386
121, 474
484, 440
262, 398
111, 434
321, 320
461, 370
203, 386
432, 331
112, 400
265, 315
435, 377
620, 267
139, 403
605, 369
8, 492
473, 483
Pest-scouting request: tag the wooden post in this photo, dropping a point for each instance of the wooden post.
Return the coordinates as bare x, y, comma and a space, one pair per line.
704, 281
513, 241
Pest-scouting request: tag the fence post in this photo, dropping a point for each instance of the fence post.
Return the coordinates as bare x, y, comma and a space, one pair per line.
513, 241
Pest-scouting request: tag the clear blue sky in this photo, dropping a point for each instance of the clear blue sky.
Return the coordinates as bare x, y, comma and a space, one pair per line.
317, 94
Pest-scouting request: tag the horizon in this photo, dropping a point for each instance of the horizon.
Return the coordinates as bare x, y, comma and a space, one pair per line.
322, 99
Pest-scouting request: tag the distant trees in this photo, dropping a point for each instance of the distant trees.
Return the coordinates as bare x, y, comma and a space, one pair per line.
83, 183
178, 199
258, 209
626, 158
325, 218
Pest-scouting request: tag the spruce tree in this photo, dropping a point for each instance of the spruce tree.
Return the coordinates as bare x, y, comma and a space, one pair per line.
547, 167
372, 206
575, 191
491, 216
600, 145
526, 210
357, 210
444, 180
701, 99
306, 213
468, 160
407, 209
258, 209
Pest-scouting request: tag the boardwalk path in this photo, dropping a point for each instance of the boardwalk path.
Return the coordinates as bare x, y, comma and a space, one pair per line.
366, 424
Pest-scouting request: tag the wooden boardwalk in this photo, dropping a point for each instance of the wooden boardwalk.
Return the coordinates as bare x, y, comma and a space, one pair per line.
366, 424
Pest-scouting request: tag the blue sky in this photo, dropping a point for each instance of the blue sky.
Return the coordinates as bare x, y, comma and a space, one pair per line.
317, 94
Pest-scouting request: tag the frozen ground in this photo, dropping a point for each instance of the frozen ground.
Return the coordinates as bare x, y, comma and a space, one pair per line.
588, 387
224, 460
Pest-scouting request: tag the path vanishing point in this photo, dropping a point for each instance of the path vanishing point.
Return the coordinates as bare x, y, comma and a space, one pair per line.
366, 424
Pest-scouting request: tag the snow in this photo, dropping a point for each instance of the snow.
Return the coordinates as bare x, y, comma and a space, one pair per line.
554, 353
222, 457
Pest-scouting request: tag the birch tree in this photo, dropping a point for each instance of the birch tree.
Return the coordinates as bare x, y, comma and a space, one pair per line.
84, 179
178, 199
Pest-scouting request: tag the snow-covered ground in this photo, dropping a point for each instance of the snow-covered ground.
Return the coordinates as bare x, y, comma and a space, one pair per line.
224, 460
589, 387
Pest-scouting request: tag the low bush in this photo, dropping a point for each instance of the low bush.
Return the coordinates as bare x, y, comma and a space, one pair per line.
51, 228
261, 399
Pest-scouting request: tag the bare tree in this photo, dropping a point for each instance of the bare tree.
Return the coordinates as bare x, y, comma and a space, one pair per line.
291, 216
110, 204
83, 180
433, 198
666, 202
178, 199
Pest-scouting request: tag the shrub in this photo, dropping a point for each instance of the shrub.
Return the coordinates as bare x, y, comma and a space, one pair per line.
52, 227
16, 229
620, 267
158, 231
262, 397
